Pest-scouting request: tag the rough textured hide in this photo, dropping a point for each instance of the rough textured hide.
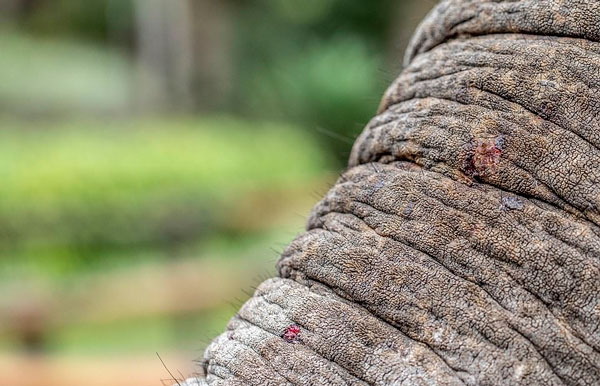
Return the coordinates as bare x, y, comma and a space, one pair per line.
462, 245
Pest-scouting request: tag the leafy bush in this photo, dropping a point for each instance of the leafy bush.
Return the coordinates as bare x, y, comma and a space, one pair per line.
329, 86
77, 190
319, 63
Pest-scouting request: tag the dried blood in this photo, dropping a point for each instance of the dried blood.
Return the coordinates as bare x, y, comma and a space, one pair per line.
484, 158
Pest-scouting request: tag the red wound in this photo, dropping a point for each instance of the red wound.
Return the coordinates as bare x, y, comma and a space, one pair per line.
291, 333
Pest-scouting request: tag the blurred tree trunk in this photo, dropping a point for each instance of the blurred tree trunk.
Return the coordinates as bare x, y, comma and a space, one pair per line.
213, 33
185, 46
11, 9
8, 8
165, 50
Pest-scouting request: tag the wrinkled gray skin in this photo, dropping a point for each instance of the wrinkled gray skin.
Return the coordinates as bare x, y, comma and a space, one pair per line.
462, 245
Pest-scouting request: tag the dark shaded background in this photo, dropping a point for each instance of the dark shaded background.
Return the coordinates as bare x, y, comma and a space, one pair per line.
156, 156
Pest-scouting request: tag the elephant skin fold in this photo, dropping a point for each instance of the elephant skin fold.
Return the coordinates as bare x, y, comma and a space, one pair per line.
462, 244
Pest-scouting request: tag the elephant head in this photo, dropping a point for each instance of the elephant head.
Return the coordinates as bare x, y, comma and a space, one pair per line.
462, 244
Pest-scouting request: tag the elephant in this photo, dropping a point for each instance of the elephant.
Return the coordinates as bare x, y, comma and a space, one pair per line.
461, 246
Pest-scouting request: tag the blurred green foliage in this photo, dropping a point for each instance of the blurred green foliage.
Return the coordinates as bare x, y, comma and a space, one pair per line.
75, 191
321, 64
142, 335
91, 19
38, 75
98, 181
318, 62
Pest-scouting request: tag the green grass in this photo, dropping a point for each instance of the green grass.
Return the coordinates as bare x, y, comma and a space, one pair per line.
77, 191
50, 163
157, 333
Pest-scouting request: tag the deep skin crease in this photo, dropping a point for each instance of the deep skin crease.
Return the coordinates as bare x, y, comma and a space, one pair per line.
462, 244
